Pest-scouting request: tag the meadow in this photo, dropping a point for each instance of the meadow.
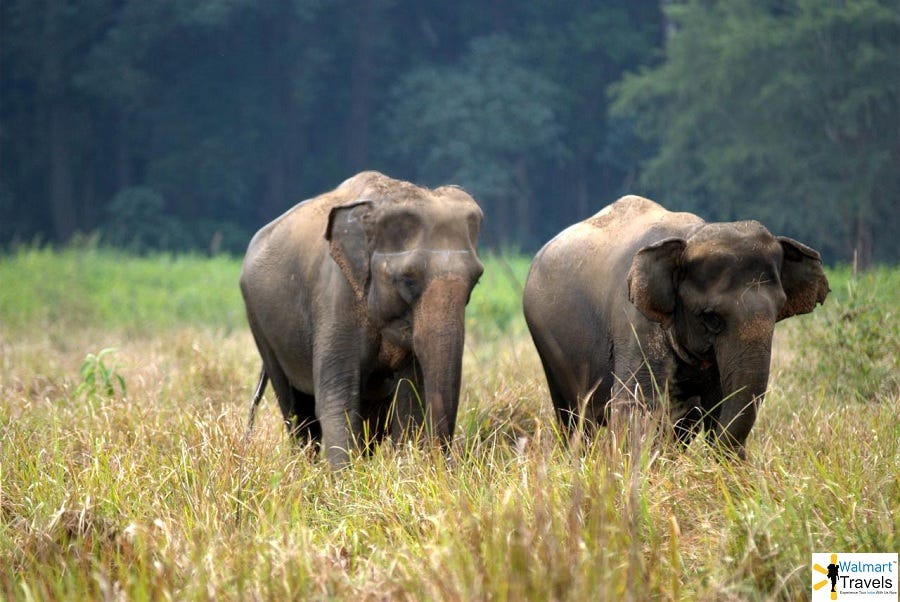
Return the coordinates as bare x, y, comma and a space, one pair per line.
125, 472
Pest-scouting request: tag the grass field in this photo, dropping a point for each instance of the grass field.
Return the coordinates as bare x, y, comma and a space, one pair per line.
124, 472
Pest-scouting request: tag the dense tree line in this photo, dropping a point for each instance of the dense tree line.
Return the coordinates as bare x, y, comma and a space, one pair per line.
787, 111
179, 125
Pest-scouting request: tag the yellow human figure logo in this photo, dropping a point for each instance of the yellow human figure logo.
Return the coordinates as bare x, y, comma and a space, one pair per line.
831, 572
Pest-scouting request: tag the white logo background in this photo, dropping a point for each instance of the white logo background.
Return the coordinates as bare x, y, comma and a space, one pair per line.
879, 583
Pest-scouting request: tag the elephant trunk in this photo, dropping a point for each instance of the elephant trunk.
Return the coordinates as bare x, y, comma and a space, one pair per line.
744, 372
438, 338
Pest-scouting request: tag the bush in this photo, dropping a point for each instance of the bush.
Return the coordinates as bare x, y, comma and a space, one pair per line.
855, 337
136, 221
98, 378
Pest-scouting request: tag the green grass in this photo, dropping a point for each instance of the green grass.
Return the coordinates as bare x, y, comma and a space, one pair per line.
146, 488
863, 335
105, 289
96, 288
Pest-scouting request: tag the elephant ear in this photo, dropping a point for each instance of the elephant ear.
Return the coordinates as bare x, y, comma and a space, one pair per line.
802, 278
651, 279
348, 237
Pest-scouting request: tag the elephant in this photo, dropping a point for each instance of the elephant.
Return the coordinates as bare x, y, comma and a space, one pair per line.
356, 301
637, 304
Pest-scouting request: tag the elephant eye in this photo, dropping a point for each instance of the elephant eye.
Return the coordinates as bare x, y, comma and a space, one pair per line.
712, 321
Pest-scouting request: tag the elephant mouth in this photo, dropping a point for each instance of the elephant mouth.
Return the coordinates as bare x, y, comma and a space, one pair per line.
398, 332
395, 350
701, 360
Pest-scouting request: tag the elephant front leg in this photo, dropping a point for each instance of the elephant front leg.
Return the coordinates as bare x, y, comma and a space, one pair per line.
339, 436
338, 409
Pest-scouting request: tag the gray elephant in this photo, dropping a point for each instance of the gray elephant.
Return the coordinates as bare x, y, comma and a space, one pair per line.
356, 300
637, 300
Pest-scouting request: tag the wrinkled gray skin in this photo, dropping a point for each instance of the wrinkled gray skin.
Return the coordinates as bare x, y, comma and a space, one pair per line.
637, 290
352, 291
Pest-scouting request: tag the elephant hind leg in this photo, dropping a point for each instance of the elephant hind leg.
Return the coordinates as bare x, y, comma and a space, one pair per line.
307, 427
567, 411
297, 408
577, 405
567, 414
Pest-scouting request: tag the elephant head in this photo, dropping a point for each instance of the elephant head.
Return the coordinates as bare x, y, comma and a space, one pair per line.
409, 256
717, 295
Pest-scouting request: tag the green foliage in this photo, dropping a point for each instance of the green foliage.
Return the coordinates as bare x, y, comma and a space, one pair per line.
173, 125
232, 110
855, 337
99, 379
485, 122
780, 111
519, 118
136, 221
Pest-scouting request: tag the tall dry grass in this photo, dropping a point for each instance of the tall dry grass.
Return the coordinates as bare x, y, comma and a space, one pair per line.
153, 492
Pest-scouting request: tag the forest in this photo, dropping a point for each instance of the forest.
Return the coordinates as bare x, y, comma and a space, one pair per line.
173, 126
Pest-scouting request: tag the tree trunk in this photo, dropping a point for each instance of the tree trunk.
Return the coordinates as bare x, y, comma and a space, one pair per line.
62, 203
524, 207
862, 249
123, 153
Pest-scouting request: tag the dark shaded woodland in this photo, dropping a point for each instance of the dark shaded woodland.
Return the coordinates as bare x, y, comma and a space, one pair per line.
186, 125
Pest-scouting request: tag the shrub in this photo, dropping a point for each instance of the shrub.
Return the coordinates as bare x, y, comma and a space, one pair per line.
99, 379
136, 221
854, 338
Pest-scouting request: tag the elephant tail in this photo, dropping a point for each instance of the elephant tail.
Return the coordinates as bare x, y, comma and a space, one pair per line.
257, 396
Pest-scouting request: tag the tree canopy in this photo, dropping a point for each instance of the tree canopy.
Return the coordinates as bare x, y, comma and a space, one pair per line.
173, 125
784, 111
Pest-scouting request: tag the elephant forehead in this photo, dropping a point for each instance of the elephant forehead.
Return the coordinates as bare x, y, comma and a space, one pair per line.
734, 280
423, 197
739, 263
433, 212
434, 261
452, 217
743, 255
445, 252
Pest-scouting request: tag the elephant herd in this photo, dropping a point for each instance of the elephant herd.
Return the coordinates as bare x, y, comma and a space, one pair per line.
356, 301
